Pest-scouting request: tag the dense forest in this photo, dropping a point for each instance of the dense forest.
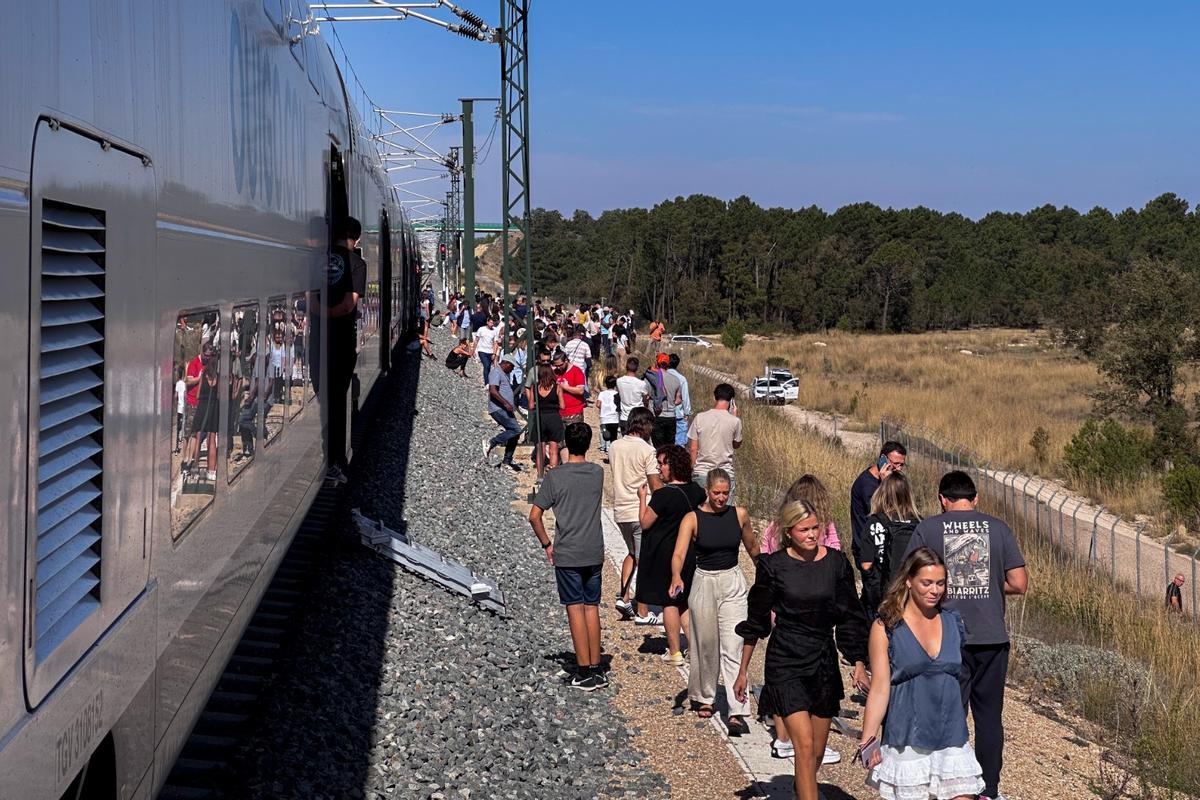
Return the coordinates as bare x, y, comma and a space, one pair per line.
698, 262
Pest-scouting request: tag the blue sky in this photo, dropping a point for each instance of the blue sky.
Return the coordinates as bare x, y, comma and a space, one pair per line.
956, 106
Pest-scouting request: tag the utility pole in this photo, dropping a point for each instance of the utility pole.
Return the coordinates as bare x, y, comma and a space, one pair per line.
514, 118
455, 215
468, 150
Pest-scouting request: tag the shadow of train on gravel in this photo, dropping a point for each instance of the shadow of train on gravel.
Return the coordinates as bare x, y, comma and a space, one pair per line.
313, 735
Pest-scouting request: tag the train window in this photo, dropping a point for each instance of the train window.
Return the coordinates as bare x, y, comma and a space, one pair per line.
278, 365
244, 389
274, 11
197, 404
312, 345
297, 329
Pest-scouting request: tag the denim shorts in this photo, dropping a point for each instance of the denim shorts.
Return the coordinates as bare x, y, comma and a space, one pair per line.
579, 585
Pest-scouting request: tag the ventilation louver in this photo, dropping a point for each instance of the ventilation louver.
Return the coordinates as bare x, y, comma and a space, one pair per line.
69, 440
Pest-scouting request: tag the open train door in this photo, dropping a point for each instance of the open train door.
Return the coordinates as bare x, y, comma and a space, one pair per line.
93, 396
385, 292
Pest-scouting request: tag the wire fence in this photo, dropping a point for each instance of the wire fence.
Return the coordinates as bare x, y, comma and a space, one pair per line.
1086, 534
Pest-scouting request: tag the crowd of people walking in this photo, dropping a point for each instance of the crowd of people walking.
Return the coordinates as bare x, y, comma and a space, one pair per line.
914, 612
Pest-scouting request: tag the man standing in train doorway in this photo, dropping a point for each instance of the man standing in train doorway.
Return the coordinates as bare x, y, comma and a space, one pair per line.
347, 283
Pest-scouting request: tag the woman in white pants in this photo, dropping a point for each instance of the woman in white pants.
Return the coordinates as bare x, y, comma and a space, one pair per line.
717, 601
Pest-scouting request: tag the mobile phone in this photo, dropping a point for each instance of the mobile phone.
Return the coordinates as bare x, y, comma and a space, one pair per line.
881, 463
867, 751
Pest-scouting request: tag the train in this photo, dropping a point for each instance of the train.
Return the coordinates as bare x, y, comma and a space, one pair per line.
169, 174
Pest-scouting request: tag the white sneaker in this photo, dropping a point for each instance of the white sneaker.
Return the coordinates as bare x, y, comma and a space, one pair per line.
649, 619
625, 609
782, 749
674, 659
212, 475
831, 756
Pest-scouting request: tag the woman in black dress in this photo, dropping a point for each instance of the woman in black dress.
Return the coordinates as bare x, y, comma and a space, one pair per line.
660, 516
206, 423
810, 589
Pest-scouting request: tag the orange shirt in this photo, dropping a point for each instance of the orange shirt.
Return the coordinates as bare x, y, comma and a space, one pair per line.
656, 331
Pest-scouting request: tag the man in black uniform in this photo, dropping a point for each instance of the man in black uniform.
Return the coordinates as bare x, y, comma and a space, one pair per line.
347, 283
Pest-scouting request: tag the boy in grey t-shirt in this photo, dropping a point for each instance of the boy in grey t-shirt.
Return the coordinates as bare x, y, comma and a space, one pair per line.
574, 490
983, 564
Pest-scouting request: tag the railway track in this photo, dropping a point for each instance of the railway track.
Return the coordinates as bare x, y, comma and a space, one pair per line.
206, 766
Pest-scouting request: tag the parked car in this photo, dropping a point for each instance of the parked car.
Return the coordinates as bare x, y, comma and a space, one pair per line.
774, 392
779, 374
688, 339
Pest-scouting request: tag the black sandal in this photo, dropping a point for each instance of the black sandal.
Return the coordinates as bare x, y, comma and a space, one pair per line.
737, 726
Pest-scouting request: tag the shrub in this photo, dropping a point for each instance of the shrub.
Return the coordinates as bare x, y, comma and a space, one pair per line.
777, 361
1106, 454
733, 335
1181, 490
1040, 442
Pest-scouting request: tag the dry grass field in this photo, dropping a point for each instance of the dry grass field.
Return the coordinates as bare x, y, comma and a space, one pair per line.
987, 390
1068, 604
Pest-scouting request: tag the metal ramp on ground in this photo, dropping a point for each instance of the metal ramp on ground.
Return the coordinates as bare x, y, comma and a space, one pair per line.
430, 564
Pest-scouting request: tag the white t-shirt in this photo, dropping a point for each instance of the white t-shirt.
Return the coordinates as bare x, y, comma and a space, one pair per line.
632, 390
180, 395
622, 342
608, 407
485, 339
578, 352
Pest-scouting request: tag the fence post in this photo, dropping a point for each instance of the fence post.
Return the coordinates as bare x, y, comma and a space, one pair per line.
881, 432
1197, 550
1092, 546
1167, 559
1025, 501
1075, 530
1112, 547
1050, 513
1137, 560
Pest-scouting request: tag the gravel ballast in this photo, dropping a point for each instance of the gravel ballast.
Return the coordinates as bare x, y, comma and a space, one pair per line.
397, 688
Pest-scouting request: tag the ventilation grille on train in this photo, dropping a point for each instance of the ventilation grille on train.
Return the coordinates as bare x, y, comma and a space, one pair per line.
70, 444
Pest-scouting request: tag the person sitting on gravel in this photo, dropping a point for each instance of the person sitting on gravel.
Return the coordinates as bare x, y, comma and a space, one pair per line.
633, 466
984, 564
914, 711
574, 491
717, 599
809, 590
502, 409
659, 517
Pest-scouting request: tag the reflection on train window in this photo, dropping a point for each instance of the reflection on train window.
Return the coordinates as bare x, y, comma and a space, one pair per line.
312, 345
278, 367
298, 328
197, 404
244, 390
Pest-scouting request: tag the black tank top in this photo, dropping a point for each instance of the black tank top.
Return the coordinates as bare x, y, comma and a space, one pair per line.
718, 537
549, 402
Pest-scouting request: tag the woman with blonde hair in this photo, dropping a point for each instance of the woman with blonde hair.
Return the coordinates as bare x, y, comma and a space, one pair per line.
888, 530
914, 739
717, 598
809, 489
810, 591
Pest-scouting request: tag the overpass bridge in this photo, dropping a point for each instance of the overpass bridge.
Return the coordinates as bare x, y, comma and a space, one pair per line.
480, 227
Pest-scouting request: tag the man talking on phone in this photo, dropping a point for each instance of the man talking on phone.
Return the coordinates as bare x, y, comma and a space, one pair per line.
892, 458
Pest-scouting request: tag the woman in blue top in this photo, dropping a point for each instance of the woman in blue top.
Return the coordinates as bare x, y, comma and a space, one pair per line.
916, 653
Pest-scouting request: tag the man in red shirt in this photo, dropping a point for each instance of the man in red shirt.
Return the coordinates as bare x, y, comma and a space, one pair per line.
572, 380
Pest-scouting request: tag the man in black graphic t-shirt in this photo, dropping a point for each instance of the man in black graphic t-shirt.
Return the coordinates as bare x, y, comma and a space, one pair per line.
347, 282
983, 564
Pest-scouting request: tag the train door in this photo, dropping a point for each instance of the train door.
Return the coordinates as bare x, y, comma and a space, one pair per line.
92, 397
385, 292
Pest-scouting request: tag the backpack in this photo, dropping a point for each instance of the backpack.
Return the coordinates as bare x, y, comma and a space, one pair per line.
890, 554
658, 392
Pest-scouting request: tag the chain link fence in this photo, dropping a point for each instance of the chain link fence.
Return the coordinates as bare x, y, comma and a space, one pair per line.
1085, 534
